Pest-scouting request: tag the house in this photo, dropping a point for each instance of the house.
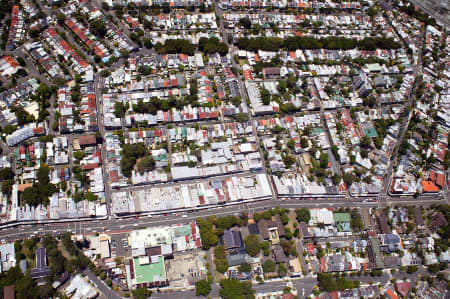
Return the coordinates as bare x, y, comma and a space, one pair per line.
391, 261
271, 72
402, 288
78, 287
305, 231
271, 230
87, 140
233, 274
237, 259
232, 239
278, 254
438, 221
390, 243
41, 270
383, 224
379, 82
253, 229
390, 293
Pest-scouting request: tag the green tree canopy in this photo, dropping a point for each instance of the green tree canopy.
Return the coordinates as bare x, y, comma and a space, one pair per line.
202, 287
252, 245
269, 266
141, 293
220, 260
303, 215
326, 282
234, 289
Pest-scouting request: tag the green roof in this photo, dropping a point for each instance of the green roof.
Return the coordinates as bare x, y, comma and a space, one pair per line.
376, 249
183, 132
370, 132
343, 227
162, 157
341, 217
148, 273
316, 131
181, 231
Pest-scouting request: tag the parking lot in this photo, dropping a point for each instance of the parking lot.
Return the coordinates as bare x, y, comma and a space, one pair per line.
119, 245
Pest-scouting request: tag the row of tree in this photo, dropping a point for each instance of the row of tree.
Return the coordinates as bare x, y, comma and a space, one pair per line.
329, 284
303, 42
184, 46
212, 45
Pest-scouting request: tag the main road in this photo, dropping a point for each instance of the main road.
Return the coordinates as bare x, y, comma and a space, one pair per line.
114, 225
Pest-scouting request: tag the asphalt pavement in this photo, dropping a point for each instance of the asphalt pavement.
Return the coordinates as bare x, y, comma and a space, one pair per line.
113, 225
110, 294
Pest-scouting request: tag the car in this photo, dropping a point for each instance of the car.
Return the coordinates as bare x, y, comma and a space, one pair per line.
184, 216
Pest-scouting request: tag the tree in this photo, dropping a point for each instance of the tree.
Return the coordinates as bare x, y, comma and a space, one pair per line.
246, 23
120, 108
252, 245
212, 45
145, 164
61, 18
433, 269
287, 246
269, 266
148, 43
245, 267
6, 174
30, 196
78, 155
365, 141
345, 284
326, 282
323, 160
303, 215
202, 287
98, 27
23, 116
291, 144
227, 222
130, 153
411, 269
284, 219
26, 287
175, 46
282, 271
141, 293
247, 290
89, 196
348, 178
207, 235
231, 289
288, 160
220, 260
320, 252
